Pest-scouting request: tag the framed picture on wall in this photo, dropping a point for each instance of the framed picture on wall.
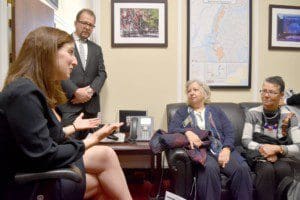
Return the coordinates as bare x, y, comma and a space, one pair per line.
219, 42
139, 23
284, 27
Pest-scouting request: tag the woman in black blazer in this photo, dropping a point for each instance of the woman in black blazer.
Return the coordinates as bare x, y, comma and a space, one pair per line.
32, 138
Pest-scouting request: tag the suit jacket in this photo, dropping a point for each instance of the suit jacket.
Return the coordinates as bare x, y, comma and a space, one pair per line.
93, 75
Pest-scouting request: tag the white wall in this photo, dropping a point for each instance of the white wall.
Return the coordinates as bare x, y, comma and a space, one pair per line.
66, 13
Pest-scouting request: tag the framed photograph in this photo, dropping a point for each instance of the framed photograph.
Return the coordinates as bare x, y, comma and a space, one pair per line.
125, 117
139, 23
284, 27
219, 42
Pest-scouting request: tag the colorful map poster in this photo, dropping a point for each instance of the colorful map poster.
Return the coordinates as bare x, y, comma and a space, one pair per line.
219, 42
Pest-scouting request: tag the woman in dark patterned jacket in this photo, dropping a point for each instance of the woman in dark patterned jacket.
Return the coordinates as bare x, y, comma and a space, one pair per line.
221, 156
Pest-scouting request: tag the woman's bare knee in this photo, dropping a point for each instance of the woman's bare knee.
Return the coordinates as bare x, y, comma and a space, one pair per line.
98, 158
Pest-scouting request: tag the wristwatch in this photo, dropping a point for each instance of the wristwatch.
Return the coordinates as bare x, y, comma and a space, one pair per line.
90, 91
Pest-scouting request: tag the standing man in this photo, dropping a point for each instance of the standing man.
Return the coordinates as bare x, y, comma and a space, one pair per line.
87, 78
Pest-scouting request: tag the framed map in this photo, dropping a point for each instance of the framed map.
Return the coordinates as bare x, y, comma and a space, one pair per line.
219, 42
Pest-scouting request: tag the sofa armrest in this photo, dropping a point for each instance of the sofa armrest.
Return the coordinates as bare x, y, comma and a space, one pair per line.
72, 173
181, 168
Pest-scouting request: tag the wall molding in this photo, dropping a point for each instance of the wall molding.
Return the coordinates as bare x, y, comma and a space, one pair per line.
4, 40
255, 50
96, 6
179, 52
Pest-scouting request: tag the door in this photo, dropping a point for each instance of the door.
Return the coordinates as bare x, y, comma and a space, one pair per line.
26, 16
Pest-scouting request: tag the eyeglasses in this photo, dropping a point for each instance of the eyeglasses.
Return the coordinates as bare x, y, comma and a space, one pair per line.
269, 92
87, 24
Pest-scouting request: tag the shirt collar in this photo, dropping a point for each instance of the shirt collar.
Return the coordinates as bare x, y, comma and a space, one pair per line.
78, 39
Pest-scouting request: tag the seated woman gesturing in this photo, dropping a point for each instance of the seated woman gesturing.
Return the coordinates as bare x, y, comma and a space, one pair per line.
32, 138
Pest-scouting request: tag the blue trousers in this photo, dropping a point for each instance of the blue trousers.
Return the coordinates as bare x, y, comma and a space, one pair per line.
209, 178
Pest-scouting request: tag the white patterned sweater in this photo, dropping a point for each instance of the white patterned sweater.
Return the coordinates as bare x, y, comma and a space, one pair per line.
253, 123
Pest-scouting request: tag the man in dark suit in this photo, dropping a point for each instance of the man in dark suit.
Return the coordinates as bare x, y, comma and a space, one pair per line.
87, 78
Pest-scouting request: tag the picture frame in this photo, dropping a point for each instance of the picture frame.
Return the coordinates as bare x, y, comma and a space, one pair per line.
139, 23
219, 42
284, 27
125, 117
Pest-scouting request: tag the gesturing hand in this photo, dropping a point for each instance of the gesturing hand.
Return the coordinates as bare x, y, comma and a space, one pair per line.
106, 130
82, 124
193, 139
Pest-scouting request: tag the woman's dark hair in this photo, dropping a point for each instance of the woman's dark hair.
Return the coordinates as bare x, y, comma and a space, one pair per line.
276, 80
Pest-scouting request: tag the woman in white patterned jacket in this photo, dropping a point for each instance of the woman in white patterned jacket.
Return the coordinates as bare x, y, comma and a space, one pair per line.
271, 132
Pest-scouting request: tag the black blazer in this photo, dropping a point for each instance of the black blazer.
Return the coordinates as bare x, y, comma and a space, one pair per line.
93, 75
31, 138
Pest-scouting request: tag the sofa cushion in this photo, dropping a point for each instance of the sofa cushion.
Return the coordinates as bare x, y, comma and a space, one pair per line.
236, 116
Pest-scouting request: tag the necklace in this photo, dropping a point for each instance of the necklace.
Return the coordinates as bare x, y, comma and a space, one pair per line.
271, 122
275, 115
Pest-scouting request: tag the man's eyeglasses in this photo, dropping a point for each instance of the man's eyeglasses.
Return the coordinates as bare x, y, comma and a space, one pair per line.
87, 24
269, 92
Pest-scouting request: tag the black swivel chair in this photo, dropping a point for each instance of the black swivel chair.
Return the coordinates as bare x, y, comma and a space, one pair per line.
38, 186
42, 185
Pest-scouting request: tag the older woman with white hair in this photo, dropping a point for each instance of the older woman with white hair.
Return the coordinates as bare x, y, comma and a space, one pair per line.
221, 156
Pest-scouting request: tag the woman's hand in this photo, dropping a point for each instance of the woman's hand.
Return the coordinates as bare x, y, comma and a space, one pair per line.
82, 124
224, 157
106, 130
193, 139
101, 133
272, 158
267, 150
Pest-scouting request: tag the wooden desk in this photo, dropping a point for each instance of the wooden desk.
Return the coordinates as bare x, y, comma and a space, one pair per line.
136, 155
139, 164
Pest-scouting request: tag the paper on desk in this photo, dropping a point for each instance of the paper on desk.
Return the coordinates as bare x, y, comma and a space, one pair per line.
172, 196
